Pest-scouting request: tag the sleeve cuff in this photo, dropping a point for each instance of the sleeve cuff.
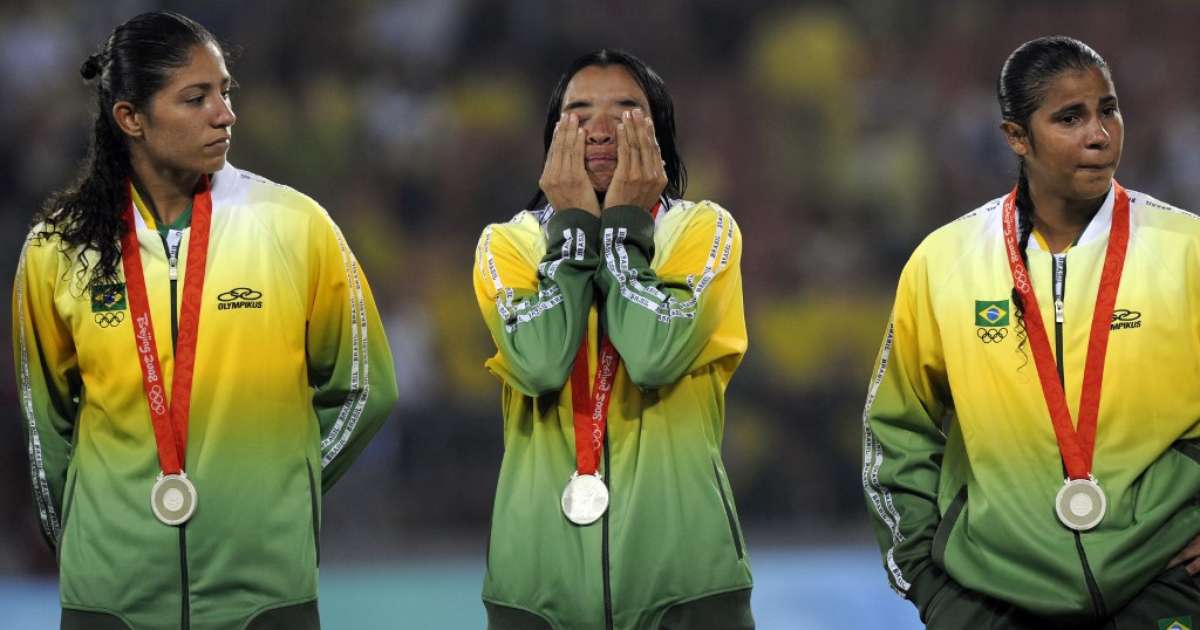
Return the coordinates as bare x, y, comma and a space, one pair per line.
925, 586
574, 218
638, 224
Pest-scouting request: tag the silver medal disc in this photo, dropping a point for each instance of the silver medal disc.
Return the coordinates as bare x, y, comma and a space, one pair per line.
1080, 504
585, 499
173, 499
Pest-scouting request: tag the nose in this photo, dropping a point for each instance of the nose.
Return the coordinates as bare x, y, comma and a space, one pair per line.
600, 130
224, 114
1097, 134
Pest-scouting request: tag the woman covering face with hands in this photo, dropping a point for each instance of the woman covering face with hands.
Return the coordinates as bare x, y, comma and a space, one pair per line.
614, 160
616, 310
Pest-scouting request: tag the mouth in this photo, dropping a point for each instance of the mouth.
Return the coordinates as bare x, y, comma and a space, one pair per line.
601, 160
219, 142
1096, 168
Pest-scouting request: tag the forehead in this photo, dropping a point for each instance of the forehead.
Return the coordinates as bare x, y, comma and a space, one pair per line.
205, 64
1072, 86
602, 83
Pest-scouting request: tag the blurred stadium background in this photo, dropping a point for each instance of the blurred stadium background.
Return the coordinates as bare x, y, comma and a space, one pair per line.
838, 134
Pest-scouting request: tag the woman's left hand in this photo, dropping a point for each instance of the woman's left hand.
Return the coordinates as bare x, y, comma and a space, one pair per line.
1189, 554
640, 176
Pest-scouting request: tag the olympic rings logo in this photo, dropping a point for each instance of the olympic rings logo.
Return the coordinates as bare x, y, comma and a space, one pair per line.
111, 319
157, 400
1020, 280
240, 293
991, 335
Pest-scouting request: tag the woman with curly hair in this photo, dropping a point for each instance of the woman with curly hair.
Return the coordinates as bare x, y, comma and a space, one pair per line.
198, 357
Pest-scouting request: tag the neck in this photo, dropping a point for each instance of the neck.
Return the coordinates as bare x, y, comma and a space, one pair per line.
168, 191
1060, 221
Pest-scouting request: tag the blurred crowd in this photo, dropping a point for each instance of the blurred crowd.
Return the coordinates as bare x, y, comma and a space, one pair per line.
838, 134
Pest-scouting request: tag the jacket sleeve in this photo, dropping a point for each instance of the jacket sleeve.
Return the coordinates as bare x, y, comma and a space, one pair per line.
903, 441
534, 293
350, 368
674, 311
48, 380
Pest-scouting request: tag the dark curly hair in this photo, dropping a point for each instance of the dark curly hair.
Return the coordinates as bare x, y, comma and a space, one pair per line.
136, 61
1021, 88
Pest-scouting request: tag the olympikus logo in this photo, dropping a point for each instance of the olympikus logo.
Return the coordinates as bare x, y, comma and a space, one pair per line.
1124, 318
241, 297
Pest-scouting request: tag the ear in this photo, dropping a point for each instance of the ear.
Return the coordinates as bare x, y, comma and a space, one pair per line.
1017, 138
129, 119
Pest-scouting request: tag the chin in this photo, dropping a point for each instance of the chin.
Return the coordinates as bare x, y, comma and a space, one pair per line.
213, 165
1093, 187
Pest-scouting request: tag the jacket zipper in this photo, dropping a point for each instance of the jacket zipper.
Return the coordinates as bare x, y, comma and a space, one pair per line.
171, 242
1060, 282
608, 611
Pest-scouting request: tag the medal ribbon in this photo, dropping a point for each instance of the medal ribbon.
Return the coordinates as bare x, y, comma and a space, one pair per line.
169, 417
591, 411
1077, 445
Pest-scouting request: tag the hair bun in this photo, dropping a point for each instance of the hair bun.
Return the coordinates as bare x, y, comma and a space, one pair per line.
91, 67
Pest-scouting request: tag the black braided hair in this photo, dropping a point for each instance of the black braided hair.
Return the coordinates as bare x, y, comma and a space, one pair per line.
1021, 88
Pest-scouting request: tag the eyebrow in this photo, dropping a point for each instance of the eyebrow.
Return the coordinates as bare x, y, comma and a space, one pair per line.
1079, 107
205, 85
624, 101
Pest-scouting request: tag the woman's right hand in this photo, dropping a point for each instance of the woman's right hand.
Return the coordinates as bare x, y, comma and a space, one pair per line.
1189, 554
564, 180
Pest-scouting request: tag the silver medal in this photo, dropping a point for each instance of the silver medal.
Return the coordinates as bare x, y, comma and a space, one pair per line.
1080, 504
585, 499
173, 499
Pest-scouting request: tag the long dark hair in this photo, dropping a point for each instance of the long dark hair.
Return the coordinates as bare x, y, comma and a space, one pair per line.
134, 63
662, 112
1021, 89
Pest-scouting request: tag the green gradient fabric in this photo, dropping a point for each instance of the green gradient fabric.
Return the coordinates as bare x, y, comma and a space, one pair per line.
293, 376
668, 292
961, 465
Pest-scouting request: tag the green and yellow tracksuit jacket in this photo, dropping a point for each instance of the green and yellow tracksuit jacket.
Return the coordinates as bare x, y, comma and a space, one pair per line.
960, 461
293, 375
668, 293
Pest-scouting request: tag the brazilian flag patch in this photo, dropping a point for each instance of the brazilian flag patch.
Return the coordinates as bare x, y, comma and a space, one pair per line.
108, 297
991, 313
1175, 623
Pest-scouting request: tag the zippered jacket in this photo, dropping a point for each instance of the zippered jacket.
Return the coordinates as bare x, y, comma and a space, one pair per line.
668, 293
960, 461
292, 377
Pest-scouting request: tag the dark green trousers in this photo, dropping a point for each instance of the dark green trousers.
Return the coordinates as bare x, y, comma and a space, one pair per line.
1174, 596
727, 611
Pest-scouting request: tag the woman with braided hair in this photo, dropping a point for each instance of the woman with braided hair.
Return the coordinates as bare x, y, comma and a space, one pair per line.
198, 357
1032, 429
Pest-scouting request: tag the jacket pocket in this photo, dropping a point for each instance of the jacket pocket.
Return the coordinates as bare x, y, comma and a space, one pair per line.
316, 510
733, 526
68, 503
942, 535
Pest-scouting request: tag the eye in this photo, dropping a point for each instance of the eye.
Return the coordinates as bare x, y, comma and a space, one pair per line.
196, 100
1111, 110
1070, 119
